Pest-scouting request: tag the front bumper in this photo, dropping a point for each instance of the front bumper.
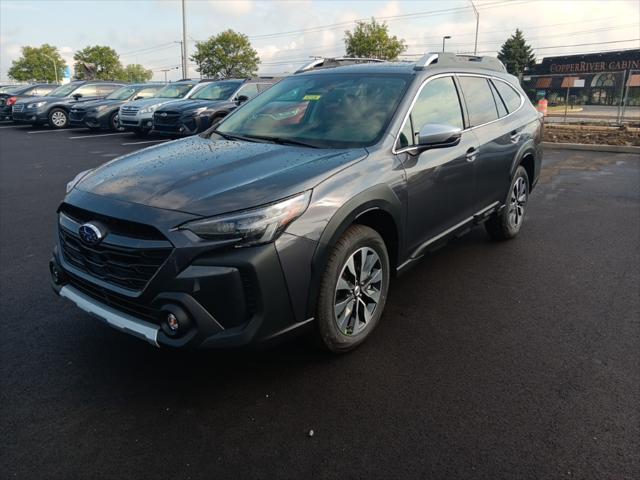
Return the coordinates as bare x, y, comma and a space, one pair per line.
135, 123
230, 296
31, 115
183, 126
90, 119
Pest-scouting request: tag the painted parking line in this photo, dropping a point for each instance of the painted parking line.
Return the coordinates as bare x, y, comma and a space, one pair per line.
98, 135
54, 131
145, 141
16, 126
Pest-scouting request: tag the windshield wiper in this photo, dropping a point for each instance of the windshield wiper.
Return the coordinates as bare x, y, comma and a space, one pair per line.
229, 136
283, 141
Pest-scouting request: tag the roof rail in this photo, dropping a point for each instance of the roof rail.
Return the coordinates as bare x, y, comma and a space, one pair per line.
448, 59
335, 62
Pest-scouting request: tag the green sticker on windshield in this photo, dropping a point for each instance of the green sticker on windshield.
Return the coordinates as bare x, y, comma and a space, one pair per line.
311, 97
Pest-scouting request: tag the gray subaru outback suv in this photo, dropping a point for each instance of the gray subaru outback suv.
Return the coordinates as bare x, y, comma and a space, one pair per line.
295, 212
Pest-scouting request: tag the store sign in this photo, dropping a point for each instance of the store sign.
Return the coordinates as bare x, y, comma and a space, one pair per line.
603, 66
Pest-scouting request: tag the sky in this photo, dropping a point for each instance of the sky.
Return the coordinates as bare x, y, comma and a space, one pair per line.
287, 33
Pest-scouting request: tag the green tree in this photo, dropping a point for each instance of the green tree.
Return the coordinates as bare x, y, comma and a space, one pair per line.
226, 55
516, 54
372, 40
97, 62
37, 64
136, 73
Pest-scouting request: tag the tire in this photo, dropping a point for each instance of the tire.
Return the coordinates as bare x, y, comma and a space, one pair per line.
507, 224
114, 124
141, 132
58, 118
340, 326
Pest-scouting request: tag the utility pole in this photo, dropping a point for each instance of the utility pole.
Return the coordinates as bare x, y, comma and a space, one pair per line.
185, 69
181, 56
475, 10
55, 66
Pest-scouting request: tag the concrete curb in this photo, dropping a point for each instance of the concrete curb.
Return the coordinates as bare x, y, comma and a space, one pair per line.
591, 148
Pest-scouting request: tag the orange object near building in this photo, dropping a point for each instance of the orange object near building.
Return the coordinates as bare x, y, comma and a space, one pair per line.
542, 106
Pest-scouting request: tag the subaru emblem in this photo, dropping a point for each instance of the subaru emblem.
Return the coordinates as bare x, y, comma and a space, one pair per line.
163, 114
91, 234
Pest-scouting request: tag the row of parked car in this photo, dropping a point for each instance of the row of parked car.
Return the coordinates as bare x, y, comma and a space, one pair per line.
185, 107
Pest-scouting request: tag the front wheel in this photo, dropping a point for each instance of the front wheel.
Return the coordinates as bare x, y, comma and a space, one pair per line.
58, 118
114, 122
353, 290
508, 222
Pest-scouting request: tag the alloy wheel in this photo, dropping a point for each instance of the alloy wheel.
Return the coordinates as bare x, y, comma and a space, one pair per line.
59, 119
517, 202
358, 291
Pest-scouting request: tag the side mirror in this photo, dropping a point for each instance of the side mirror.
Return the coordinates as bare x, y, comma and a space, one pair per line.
77, 96
434, 135
241, 99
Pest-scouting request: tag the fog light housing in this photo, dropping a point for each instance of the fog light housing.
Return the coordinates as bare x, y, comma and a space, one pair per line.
175, 321
149, 123
57, 275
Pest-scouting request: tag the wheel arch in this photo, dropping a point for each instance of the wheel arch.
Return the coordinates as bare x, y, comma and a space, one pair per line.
526, 157
377, 207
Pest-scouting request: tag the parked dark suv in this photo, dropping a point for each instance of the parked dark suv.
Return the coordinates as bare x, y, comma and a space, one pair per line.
295, 212
9, 96
103, 113
206, 106
54, 107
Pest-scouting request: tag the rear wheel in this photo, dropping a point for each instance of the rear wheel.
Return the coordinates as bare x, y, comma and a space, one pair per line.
508, 222
58, 118
353, 290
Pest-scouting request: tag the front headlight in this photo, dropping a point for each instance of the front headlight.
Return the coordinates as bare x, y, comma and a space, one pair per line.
36, 105
99, 108
252, 227
77, 178
149, 109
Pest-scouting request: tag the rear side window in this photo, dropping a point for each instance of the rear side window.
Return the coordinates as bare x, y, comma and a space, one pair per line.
87, 91
511, 98
479, 99
106, 89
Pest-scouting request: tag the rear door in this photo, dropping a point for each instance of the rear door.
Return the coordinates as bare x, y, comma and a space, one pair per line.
440, 181
498, 142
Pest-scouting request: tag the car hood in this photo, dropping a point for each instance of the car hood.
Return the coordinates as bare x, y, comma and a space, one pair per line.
188, 104
207, 177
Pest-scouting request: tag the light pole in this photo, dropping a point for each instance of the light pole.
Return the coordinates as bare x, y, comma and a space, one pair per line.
55, 66
181, 56
475, 10
185, 68
447, 37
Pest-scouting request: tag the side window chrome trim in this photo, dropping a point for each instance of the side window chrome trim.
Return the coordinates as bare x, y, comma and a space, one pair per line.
457, 75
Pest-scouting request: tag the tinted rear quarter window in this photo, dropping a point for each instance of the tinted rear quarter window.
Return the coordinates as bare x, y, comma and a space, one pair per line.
502, 110
509, 95
479, 99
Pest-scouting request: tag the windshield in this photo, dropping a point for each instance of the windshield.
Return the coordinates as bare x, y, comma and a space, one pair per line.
64, 90
175, 90
122, 93
216, 91
326, 111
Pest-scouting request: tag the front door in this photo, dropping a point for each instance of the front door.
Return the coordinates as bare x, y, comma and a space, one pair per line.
440, 181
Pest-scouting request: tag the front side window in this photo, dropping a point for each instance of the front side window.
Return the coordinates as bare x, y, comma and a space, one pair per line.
216, 91
479, 99
249, 90
87, 91
330, 110
511, 98
437, 103
147, 92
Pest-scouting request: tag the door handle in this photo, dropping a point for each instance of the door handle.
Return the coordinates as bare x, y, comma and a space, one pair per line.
515, 137
472, 153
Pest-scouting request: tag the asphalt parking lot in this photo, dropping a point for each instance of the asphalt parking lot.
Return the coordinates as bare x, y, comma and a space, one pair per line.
516, 360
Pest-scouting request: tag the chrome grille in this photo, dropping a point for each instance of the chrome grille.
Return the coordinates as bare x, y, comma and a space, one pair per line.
18, 108
129, 110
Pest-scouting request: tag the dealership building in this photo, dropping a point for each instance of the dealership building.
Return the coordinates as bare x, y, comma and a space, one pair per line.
592, 79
